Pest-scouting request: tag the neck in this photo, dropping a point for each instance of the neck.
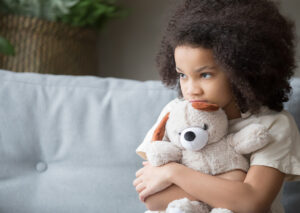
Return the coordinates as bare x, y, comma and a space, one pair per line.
232, 110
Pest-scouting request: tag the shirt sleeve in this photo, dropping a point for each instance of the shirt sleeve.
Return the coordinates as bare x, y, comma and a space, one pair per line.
141, 149
283, 153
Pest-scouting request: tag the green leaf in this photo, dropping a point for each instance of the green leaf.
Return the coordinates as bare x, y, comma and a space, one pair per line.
6, 47
92, 13
81, 13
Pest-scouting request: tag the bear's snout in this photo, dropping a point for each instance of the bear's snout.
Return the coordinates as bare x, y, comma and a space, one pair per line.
193, 138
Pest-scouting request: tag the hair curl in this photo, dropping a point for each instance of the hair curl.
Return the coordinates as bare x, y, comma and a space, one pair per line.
250, 39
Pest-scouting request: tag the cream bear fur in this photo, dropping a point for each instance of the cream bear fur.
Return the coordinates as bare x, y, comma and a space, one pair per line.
212, 151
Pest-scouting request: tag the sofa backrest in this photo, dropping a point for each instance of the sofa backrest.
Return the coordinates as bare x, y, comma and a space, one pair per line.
67, 144
291, 192
293, 105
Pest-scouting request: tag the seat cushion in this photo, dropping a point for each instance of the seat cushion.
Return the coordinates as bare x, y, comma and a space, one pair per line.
67, 144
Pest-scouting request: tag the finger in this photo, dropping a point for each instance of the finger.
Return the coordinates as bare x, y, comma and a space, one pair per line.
142, 199
140, 187
139, 172
137, 181
144, 194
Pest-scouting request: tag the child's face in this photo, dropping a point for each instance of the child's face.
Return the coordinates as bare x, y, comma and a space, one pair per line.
201, 79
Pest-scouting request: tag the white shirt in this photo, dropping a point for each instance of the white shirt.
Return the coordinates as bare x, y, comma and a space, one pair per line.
283, 153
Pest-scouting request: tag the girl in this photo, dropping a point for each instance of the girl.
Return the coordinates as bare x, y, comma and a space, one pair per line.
238, 54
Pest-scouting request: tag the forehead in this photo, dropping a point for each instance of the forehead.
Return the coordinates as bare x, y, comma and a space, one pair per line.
193, 55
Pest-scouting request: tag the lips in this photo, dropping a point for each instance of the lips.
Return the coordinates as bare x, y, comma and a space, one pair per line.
197, 101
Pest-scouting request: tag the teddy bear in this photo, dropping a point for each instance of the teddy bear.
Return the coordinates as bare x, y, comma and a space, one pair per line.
196, 135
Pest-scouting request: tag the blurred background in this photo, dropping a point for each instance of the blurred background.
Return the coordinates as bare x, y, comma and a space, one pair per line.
128, 47
45, 40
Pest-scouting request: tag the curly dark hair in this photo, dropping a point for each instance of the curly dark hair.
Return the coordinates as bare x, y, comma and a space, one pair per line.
250, 40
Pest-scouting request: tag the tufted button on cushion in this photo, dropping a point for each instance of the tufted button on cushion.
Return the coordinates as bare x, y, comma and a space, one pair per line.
41, 167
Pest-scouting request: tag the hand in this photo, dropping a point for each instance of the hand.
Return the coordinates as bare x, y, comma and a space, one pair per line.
151, 179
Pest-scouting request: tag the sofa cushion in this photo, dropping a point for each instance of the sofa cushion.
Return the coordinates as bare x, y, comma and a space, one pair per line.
67, 144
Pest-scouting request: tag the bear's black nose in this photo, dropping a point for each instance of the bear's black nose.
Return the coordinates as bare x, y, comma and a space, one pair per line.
189, 136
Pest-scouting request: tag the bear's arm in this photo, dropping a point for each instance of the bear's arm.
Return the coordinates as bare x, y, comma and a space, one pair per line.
163, 152
250, 139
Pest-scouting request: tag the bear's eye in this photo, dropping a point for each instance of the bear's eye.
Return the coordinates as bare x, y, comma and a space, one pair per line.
179, 133
205, 126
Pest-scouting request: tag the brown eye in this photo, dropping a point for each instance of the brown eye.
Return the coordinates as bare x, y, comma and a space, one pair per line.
205, 126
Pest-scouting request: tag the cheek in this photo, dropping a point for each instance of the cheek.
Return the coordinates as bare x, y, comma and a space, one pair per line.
183, 89
225, 95
220, 93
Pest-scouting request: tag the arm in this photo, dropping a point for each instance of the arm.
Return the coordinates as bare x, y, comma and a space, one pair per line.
255, 194
163, 152
160, 200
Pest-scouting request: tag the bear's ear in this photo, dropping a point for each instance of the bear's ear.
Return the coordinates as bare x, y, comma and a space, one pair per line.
160, 129
205, 106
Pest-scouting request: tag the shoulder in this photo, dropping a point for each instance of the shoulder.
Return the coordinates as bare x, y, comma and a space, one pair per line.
281, 153
273, 117
276, 122
281, 125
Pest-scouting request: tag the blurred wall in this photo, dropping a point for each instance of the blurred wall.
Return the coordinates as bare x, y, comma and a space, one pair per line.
127, 47
291, 8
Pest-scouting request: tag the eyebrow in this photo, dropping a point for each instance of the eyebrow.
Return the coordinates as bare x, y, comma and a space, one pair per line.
199, 69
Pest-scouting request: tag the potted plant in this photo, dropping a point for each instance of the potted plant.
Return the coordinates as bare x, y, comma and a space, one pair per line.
6, 47
53, 36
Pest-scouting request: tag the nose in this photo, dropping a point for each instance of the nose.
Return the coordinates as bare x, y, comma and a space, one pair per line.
194, 89
189, 136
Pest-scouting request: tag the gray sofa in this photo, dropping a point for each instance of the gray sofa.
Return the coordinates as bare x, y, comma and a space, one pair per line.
67, 144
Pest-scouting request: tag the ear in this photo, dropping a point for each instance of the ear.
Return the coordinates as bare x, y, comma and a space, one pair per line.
205, 106
160, 130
